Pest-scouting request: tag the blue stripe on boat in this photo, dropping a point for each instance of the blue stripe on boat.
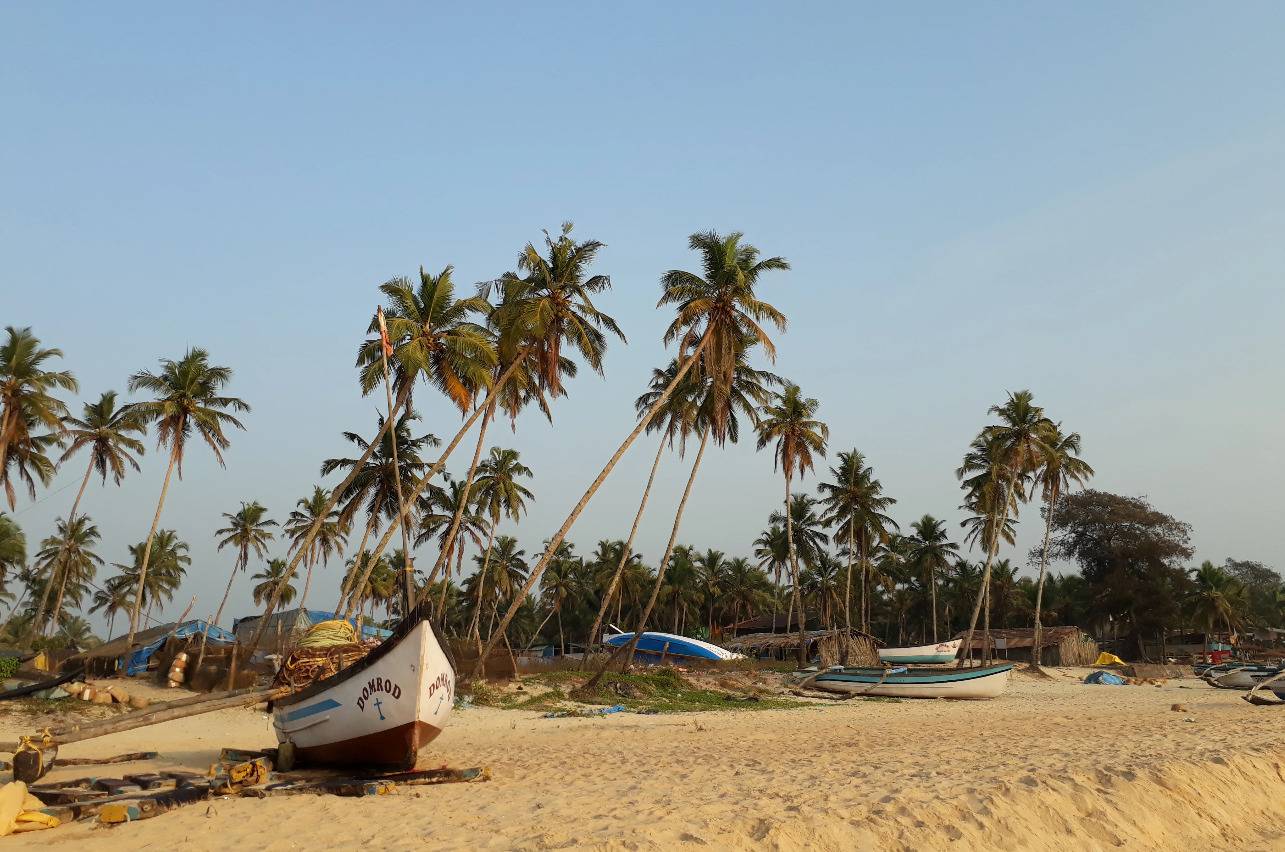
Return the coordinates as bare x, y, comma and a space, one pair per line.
312, 709
911, 677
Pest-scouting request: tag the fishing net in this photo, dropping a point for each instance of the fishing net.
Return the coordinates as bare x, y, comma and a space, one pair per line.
325, 650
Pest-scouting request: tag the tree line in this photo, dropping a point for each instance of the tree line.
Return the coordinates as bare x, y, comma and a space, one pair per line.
517, 341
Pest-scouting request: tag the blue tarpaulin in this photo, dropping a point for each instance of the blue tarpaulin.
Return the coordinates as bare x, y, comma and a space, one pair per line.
1104, 678
136, 662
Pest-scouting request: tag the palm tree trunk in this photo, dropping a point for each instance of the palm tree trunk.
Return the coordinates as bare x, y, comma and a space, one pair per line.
626, 552
449, 541
475, 628
537, 630
346, 587
1039, 588
57, 610
986, 576
307, 581
865, 582
847, 588
571, 519
986, 629
669, 550
562, 641
147, 547
218, 613
794, 571
932, 580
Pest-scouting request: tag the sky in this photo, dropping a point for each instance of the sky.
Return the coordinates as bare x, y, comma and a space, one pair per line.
1084, 200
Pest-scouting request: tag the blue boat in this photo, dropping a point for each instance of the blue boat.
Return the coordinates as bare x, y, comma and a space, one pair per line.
902, 682
663, 647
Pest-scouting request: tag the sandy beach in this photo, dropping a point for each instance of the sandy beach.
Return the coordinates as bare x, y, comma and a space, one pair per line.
1054, 764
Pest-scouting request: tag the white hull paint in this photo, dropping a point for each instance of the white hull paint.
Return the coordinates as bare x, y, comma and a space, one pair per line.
942, 652
397, 703
1244, 679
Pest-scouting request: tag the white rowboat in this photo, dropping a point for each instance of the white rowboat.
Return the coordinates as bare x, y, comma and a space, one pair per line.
972, 683
942, 652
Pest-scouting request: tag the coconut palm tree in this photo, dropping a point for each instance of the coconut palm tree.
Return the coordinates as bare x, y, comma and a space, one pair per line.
273, 575
1217, 597
188, 399
1059, 470
111, 600
507, 572
69, 561
932, 552
26, 393
249, 529
108, 433
331, 536
168, 561
75, 632
500, 494
13, 547
821, 587
790, 423
682, 593
716, 313
773, 553
373, 486
452, 511
744, 588
857, 507
559, 588
997, 465
29, 459
711, 568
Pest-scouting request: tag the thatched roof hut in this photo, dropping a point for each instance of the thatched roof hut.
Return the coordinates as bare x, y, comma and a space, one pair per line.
1062, 646
862, 649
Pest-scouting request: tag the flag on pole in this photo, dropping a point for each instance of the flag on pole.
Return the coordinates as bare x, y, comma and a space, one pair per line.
383, 334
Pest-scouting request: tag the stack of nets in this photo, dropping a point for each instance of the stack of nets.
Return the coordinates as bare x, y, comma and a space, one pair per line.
324, 650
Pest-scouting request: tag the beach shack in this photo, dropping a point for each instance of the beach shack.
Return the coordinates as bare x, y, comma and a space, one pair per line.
830, 647
119, 657
1061, 646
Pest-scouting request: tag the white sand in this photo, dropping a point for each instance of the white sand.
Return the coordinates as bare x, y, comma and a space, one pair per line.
1052, 765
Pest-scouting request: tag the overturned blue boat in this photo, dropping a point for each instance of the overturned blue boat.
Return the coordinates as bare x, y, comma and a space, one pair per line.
669, 647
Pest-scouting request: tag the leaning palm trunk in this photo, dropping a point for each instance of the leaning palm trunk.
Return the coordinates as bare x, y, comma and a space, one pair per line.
1039, 588
147, 547
794, 571
475, 625
37, 622
626, 552
346, 587
237, 566
308, 561
571, 519
664, 560
448, 543
986, 578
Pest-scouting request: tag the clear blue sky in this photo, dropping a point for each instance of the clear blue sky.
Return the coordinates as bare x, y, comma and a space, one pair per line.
1085, 201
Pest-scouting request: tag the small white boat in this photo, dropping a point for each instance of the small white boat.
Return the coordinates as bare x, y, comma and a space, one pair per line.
900, 682
378, 712
1234, 676
654, 646
942, 652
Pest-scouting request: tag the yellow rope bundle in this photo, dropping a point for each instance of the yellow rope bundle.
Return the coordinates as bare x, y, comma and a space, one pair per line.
326, 634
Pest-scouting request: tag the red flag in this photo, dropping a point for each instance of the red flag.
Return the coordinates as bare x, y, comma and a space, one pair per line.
383, 334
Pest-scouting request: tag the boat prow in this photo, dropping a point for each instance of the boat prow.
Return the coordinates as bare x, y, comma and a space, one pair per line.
378, 712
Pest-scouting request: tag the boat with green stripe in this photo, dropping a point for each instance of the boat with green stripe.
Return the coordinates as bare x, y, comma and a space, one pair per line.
903, 682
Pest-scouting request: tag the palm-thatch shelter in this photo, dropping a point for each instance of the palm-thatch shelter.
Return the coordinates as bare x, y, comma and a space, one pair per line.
830, 646
1062, 646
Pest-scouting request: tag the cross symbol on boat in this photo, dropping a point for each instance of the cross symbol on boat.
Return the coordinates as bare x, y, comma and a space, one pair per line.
381, 712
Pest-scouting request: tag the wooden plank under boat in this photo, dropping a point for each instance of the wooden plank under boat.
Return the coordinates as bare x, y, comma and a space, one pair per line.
941, 652
970, 683
378, 712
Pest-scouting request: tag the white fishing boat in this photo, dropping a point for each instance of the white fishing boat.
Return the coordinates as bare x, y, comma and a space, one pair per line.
941, 652
379, 711
1239, 676
901, 682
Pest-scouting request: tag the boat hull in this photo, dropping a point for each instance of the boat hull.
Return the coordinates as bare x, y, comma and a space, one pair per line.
942, 652
379, 712
655, 646
967, 684
1245, 678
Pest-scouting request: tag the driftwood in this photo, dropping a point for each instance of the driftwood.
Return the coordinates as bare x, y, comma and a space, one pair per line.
128, 757
156, 713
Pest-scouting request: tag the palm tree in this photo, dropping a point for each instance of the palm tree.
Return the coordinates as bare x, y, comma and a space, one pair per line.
744, 587
13, 547
711, 568
248, 529
108, 433
806, 531
110, 600
716, 314
451, 511
773, 552
933, 553
1001, 458
330, 538
189, 397
26, 392
507, 572
1217, 597
273, 575
28, 459
790, 422
168, 561
559, 587
855, 503
69, 561
74, 632
373, 486
500, 494
1060, 469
